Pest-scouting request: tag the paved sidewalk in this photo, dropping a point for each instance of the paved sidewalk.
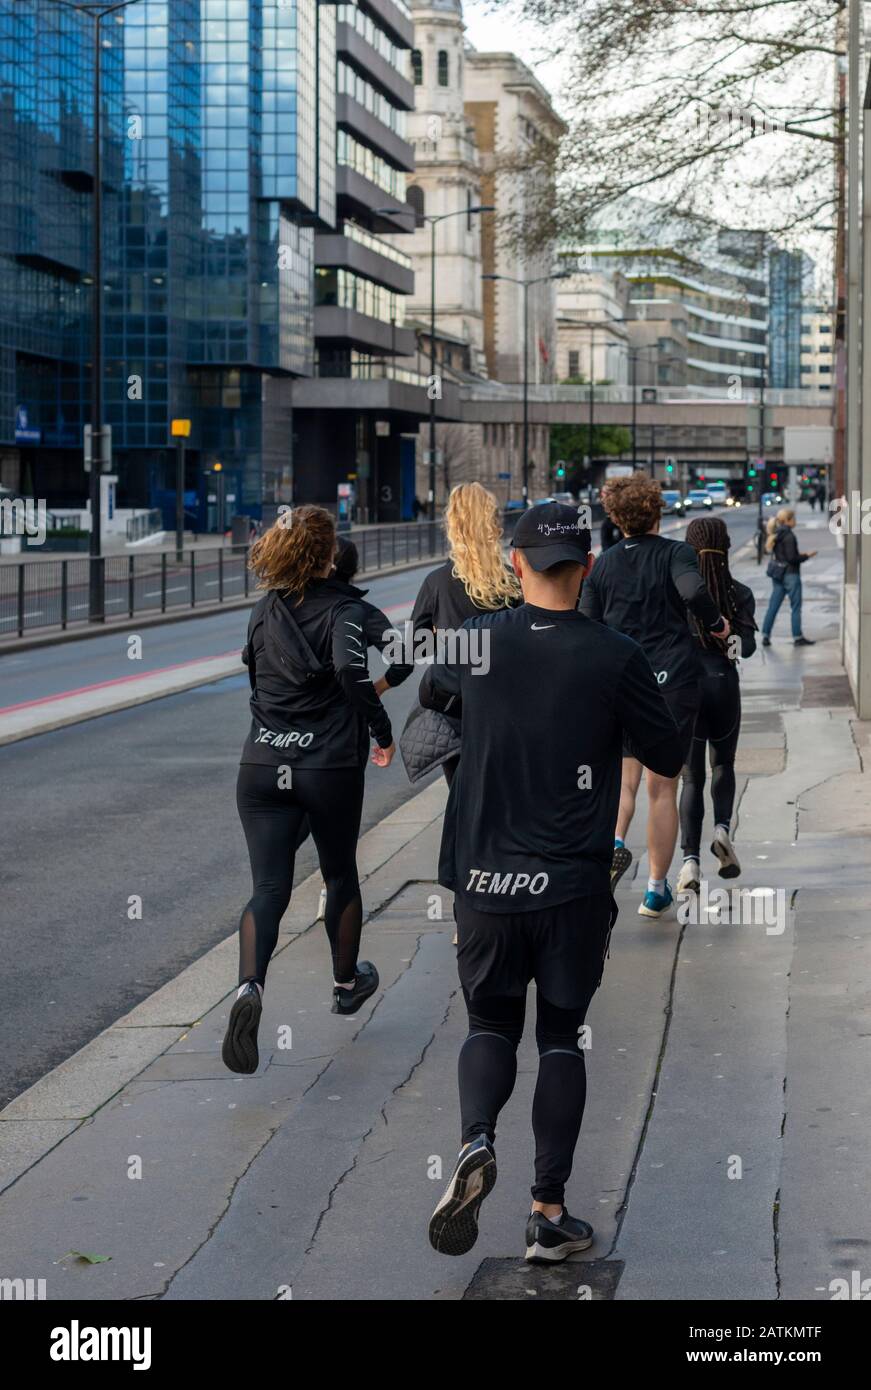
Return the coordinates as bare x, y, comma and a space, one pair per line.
725, 1148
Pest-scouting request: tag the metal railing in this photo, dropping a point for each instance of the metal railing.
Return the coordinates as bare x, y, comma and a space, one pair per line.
138, 527
37, 594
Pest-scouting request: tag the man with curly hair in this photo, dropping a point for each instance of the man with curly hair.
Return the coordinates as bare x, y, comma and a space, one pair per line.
644, 586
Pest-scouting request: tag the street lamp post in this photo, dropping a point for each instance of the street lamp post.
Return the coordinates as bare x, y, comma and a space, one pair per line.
526, 285
433, 219
97, 12
593, 324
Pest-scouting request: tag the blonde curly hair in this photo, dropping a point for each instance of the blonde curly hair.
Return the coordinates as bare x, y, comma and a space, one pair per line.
474, 531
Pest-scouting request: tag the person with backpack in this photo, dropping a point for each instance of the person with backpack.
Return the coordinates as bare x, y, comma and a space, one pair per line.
718, 722
784, 571
313, 707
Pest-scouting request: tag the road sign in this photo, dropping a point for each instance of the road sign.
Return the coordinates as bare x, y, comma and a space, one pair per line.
506, 476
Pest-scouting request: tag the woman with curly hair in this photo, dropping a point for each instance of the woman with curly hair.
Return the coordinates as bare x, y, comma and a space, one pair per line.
475, 578
313, 706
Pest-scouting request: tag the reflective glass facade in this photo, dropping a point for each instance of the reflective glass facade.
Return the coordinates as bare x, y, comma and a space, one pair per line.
219, 161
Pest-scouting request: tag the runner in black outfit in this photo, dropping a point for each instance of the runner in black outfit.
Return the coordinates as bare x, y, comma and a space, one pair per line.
312, 705
719, 719
378, 632
474, 579
526, 848
644, 586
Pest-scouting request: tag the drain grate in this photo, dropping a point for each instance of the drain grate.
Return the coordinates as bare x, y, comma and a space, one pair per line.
821, 692
500, 1281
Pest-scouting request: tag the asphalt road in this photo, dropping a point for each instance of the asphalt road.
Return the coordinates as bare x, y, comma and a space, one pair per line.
139, 802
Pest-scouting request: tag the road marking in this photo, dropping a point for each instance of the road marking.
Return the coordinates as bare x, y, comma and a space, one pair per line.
119, 680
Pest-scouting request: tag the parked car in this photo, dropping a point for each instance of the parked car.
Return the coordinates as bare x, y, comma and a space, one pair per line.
672, 501
699, 497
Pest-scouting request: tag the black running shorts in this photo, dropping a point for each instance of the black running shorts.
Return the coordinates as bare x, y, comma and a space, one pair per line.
562, 948
683, 702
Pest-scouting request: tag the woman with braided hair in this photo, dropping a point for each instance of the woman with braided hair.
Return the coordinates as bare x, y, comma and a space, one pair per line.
719, 719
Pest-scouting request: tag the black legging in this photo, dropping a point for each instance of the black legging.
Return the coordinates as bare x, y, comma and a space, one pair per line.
272, 816
487, 1071
718, 726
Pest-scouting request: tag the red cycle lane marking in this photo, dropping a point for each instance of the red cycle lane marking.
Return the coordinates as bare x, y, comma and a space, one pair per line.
119, 680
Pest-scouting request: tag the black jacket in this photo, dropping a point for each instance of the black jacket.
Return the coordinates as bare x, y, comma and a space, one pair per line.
443, 602
312, 699
786, 550
531, 812
643, 586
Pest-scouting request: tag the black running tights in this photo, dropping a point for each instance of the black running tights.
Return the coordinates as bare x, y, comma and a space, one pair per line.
488, 1068
718, 726
271, 816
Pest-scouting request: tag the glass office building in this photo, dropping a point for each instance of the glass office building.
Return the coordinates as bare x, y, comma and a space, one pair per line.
219, 165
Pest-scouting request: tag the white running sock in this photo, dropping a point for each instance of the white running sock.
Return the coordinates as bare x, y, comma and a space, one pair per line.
338, 984
242, 988
656, 885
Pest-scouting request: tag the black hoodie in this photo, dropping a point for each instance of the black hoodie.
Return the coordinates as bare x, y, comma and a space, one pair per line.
312, 698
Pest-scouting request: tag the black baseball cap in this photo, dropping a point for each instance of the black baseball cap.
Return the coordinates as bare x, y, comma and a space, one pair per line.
550, 533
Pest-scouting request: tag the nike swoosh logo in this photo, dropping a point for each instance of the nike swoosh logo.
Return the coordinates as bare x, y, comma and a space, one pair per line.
540, 627
630, 547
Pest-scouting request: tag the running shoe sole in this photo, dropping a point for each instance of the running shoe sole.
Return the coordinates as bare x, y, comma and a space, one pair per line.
620, 861
729, 866
543, 1255
650, 912
239, 1052
453, 1226
360, 998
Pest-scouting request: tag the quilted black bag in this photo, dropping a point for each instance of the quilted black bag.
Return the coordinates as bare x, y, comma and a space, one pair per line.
429, 739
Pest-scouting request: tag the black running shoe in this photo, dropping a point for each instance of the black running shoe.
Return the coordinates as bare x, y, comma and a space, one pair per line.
547, 1242
240, 1041
803, 642
453, 1226
620, 861
366, 981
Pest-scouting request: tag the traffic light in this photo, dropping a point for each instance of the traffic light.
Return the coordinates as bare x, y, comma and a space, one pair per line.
560, 472
669, 468
751, 472
773, 477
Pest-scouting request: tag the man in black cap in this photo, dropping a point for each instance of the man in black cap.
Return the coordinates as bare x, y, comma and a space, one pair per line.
526, 848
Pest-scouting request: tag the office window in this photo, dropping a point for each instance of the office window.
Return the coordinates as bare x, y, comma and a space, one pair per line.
574, 363
417, 67
443, 67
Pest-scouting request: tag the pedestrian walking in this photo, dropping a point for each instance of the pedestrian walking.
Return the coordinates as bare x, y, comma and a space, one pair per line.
312, 707
609, 534
718, 723
784, 571
526, 849
645, 586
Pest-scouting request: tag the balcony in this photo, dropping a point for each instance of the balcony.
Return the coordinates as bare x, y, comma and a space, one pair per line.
395, 16
336, 324
356, 118
357, 196
352, 45
337, 250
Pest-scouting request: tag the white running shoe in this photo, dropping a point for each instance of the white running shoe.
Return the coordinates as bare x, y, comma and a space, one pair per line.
322, 906
689, 877
724, 850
